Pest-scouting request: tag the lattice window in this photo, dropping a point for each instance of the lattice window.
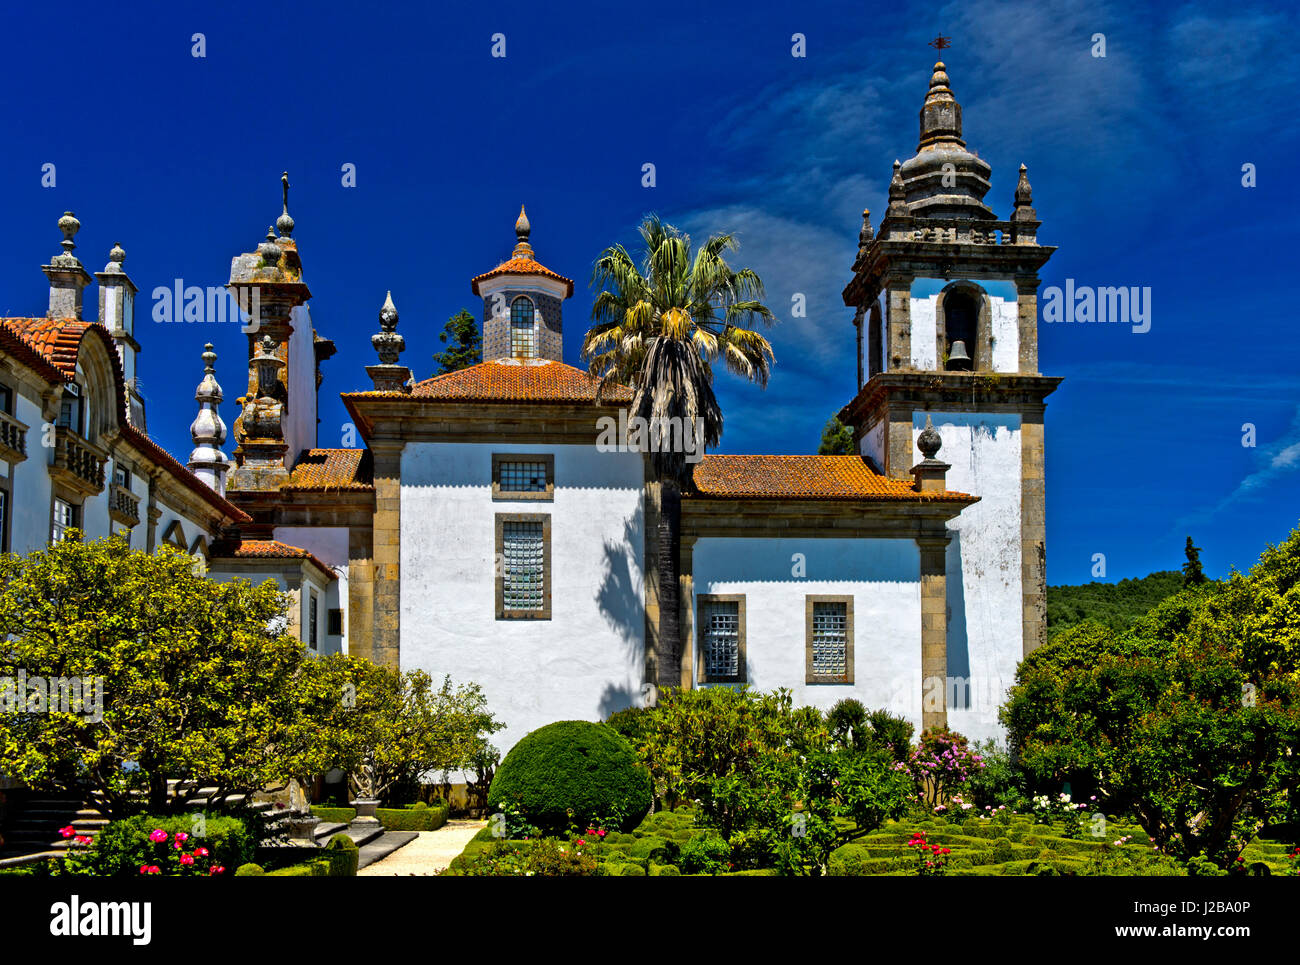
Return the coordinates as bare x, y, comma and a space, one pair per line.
720, 631
523, 477
523, 332
524, 570
830, 639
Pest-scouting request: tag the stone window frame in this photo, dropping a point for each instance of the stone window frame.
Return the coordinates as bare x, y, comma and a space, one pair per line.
742, 650
499, 565
509, 495
809, 601
59, 495
982, 352
313, 618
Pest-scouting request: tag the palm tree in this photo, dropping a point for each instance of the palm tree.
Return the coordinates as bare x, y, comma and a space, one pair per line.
658, 327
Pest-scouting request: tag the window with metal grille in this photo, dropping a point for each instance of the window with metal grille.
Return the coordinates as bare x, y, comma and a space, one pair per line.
523, 566
311, 619
720, 631
64, 519
830, 639
523, 477
523, 338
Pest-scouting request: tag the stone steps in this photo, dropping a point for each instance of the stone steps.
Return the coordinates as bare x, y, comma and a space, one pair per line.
384, 845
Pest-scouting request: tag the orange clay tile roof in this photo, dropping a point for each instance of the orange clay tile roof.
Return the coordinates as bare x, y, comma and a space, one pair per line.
267, 549
51, 345
516, 380
328, 469
802, 477
56, 340
521, 266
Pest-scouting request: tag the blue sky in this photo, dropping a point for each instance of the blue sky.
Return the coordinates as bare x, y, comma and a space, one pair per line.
1135, 159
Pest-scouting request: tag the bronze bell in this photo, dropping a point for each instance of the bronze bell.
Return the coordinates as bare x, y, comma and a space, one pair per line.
957, 357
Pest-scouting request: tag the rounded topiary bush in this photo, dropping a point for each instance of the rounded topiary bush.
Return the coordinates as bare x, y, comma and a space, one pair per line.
573, 766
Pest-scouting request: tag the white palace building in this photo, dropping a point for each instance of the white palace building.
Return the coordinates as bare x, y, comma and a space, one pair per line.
910, 576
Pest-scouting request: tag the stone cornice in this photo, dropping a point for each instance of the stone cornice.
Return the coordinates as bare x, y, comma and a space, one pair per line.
412, 419
951, 391
813, 519
952, 261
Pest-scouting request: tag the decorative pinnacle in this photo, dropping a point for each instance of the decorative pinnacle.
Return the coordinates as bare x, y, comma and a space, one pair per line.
865, 235
929, 441
69, 225
285, 222
115, 258
522, 226
388, 315
268, 249
209, 359
939, 79
1024, 193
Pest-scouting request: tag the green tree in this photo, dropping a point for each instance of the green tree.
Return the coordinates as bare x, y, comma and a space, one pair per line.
466, 346
1189, 718
193, 683
837, 439
658, 327
384, 727
1192, 572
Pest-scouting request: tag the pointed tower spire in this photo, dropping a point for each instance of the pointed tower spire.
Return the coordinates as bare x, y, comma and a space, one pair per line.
940, 114
285, 222
207, 461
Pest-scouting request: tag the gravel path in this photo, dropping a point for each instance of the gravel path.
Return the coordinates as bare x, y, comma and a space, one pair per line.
428, 854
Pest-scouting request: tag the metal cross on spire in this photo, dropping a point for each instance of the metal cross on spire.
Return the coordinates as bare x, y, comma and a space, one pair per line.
940, 42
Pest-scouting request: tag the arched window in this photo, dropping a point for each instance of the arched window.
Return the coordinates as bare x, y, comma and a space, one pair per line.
960, 325
523, 333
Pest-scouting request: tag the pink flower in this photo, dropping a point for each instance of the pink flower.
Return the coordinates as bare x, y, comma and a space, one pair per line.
150, 869
187, 859
216, 870
68, 832
580, 841
182, 836
158, 834
82, 839
600, 833
201, 852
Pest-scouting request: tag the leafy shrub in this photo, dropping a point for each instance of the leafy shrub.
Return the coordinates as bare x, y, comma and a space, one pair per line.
632, 724
424, 818
180, 845
1003, 851
342, 855
849, 716
941, 764
665, 871
705, 854
998, 782
892, 733
249, 870
573, 773
334, 815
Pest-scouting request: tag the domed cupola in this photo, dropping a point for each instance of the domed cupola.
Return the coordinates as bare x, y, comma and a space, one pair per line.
944, 180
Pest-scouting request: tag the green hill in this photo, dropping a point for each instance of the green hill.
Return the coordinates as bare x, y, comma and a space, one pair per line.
1113, 604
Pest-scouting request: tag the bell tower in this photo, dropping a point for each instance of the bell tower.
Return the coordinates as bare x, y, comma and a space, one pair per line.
946, 300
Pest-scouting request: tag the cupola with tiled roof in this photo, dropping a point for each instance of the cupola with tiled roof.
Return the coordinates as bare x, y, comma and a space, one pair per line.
522, 303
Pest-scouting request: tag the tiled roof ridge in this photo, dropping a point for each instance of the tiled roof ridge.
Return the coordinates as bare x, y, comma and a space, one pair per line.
267, 549
803, 476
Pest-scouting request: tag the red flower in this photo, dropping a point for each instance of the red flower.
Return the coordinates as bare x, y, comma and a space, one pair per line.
201, 852
187, 859
216, 870
68, 832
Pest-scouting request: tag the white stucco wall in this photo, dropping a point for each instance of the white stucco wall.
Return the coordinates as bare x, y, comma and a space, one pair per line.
925, 332
1004, 324
882, 576
873, 444
30, 486
588, 659
1005, 319
984, 578
329, 544
300, 426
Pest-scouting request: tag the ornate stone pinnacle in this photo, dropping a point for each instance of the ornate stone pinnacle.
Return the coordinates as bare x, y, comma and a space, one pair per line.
897, 194
388, 315
268, 249
115, 258
929, 441
69, 225
209, 359
866, 234
1024, 193
285, 222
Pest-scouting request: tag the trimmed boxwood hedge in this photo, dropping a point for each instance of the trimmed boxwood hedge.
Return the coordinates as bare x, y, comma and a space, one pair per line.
577, 766
428, 818
334, 815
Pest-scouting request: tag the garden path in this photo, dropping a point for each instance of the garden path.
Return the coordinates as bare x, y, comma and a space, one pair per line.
428, 854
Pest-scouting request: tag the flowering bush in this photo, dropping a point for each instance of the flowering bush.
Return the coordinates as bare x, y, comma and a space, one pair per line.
188, 845
545, 857
941, 763
931, 859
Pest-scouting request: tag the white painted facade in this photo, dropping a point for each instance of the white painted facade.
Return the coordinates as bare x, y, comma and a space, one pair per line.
882, 576
588, 659
985, 593
300, 421
329, 544
1004, 321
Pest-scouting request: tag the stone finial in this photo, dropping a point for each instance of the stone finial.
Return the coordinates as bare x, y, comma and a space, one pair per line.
523, 228
929, 441
69, 225
929, 474
207, 461
897, 194
284, 223
940, 113
866, 234
268, 249
1024, 210
1024, 192
388, 315
116, 256
388, 375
